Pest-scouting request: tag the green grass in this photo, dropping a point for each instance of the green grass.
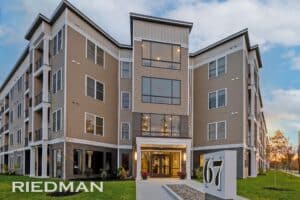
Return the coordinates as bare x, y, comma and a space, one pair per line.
255, 188
113, 190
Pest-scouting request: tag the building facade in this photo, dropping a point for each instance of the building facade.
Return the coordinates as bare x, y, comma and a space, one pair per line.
78, 102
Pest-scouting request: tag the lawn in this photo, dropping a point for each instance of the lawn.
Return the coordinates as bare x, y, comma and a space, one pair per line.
113, 190
288, 187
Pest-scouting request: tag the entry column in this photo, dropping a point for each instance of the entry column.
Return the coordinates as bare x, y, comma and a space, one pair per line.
138, 162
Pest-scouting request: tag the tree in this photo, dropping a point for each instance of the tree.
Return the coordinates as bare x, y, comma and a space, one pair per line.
279, 151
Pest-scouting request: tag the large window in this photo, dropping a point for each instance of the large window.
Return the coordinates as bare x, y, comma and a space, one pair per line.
217, 99
94, 89
217, 130
160, 125
125, 100
94, 124
94, 53
155, 54
164, 91
217, 68
58, 42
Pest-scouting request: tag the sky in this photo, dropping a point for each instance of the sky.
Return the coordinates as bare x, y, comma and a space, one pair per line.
273, 25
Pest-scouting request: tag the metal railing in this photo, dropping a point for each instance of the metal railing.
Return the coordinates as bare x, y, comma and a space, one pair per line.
30, 136
5, 148
6, 106
26, 113
26, 85
162, 134
26, 142
38, 135
6, 127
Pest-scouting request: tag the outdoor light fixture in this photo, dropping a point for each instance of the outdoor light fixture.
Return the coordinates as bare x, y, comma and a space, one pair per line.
184, 156
135, 155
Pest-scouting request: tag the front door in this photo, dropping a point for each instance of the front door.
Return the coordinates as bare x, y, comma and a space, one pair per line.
160, 165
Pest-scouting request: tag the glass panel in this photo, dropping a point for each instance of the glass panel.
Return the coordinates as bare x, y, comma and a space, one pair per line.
58, 120
166, 125
90, 87
59, 80
89, 123
176, 53
221, 130
99, 126
54, 121
176, 88
212, 100
157, 122
212, 131
175, 125
54, 45
146, 49
146, 63
59, 40
221, 66
212, 69
145, 161
125, 100
161, 52
100, 56
54, 83
125, 131
91, 51
163, 100
145, 123
126, 70
161, 87
99, 92
221, 98
146, 86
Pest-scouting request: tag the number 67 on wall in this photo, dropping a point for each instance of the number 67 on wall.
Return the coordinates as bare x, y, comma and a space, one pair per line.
212, 172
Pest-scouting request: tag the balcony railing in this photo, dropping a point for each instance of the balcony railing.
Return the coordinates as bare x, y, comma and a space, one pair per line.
26, 142
26, 85
38, 63
30, 136
161, 134
26, 113
5, 148
6, 106
38, 98
38, 135
1, 130
6, 127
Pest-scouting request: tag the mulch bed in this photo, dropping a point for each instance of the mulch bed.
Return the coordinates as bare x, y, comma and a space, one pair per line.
186, 192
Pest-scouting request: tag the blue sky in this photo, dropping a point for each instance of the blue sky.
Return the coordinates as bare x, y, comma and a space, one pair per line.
274, 25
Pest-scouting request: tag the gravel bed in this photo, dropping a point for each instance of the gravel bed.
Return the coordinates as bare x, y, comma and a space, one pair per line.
186, 192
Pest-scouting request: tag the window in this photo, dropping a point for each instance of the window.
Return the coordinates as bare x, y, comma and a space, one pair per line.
19, 136
11, 139
126, 69
59, 40
125, 130
56, 83
11, 116
160, 125
55, 45
77, 161
95, 89
94, 124
90, 50
162, 91
19, 83
217, 99
57, 120
162, 55
217, 130
217, 67
125, 100
100, 56
19, 113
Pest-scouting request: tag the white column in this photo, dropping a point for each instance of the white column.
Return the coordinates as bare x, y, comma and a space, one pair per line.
188, 161
45, 123
90, 153
138, 162
44, 159
253, 164
46, 51
32, 161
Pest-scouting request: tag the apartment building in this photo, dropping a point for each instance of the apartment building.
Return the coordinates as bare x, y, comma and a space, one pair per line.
78, 102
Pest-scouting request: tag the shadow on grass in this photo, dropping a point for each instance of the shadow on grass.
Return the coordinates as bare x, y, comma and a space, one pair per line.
278, 189
62, 194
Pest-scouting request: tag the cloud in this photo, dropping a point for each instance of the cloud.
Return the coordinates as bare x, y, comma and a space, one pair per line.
282, 112
294, 59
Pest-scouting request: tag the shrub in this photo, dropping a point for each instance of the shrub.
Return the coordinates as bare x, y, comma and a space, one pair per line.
261, 171
5, 168
199, 173
103, 175
144, 175
122, 173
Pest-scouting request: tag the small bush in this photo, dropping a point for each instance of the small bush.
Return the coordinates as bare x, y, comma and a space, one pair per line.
103, 175
261, 172
199, 173
122, 173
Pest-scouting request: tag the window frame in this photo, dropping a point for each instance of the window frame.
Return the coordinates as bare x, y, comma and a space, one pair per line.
216, 132
95, 88
55, 82
129, 130
95, 51
217, 67
94, 116
130, 69
217, 98
55, 112
151, 59
129, 100
19, 136
150, 101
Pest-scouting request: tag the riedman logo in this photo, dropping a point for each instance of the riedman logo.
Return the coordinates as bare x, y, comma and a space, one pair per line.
51, 186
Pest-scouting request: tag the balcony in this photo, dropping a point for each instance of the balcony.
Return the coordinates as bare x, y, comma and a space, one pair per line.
26, 84
6, 106
6, 127
1, 130
5, 148
38, 98
26, 113
38, 135
30, 136
38, 63
26, 142
161, 134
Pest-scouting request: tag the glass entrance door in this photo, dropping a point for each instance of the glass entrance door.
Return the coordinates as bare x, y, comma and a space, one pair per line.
160, 165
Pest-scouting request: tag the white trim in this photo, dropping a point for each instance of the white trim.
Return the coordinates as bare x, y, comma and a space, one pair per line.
217, 98
15, 150
124, 146
129, 130
95, 85
216, 132
88, 142
215, 147
129, 106
95, 116
65, 93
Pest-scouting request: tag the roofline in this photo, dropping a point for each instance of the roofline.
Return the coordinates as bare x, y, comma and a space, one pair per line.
59, 10
15, 68
243, 32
